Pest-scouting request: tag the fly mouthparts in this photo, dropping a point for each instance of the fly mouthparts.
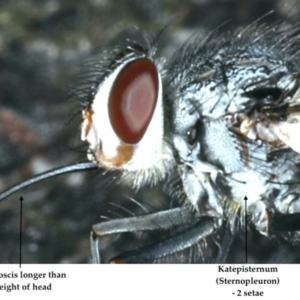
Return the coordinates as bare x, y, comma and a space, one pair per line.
77, 167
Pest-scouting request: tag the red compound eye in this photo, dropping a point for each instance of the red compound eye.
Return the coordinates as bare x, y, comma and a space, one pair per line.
132, 100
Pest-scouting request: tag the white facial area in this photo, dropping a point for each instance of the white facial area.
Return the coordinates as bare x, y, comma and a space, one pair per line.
106, 148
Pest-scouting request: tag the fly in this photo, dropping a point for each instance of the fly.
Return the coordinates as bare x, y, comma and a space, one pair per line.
217, 124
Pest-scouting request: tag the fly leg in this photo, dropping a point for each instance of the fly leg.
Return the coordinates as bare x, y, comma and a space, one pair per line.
183, 217
186, 239
282, 219
284, 222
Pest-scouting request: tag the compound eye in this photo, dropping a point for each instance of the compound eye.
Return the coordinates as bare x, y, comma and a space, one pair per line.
132, 100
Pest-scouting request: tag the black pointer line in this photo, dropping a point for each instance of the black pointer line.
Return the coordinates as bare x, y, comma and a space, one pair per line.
246, 237
21, 212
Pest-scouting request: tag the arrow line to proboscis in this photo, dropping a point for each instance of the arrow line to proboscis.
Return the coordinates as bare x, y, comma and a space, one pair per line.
21, 216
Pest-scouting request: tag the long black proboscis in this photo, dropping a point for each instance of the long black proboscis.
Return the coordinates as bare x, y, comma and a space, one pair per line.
81, 166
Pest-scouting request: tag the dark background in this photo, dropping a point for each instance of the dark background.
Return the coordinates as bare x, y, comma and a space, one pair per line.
42, 45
